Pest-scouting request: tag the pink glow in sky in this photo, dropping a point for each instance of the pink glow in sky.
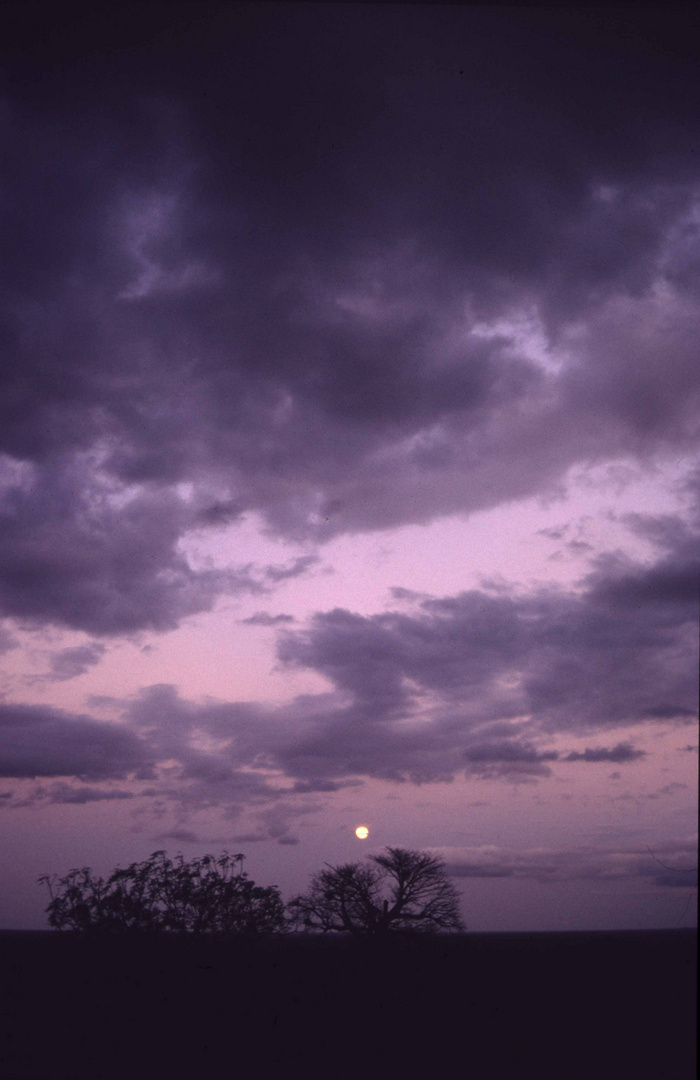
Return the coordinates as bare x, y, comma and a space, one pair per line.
349, 453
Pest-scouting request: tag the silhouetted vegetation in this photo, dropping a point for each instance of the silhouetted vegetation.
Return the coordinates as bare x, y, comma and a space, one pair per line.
206, 895
613, 1006
403, 891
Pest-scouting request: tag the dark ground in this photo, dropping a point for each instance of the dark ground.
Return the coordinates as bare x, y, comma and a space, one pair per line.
604, 1006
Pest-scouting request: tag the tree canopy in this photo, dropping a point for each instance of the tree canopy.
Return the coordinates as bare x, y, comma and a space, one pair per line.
206, 895
399, 890
402, 891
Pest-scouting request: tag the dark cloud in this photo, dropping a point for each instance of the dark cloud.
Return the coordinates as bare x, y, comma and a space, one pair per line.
620, 650
667, 789
219, 514
508, 757
684, 879
66, 793
63, 793
398, 592
478, 870
264, 618
7, 641
74, 661
578, 864
619, 754
475, 684
40, 741
182, 835
306, 786
579, 547
486, 679
248, 257
234, 770
287, 263
295, 568
74, 553
426, 696
277, 820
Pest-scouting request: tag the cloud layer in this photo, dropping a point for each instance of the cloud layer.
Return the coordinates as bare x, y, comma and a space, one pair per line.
335, 269
37, 741
674, 867
291, 261
478, 684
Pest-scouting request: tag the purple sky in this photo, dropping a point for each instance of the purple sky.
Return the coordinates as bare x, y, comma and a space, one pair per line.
349, 448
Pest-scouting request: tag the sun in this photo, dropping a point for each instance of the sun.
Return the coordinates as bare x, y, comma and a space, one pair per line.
361, 832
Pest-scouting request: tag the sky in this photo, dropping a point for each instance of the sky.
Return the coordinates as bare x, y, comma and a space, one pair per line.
349, 448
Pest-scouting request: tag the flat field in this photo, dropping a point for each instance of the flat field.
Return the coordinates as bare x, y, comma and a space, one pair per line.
604, 1006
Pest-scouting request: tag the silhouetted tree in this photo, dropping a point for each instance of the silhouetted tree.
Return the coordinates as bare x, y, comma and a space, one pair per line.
403, 891
206, 895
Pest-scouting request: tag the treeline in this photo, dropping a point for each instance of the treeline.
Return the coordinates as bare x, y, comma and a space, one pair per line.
398, 891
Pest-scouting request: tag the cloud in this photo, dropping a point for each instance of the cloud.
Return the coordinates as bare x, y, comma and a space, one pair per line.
399, 593
72, 662
684, 879
277, 821
39, 741
305, 786
576, 864
619, 754
508, 757
512, 756
619, 650
66, 793
264, 618
667, 789
231, 302
219, 514
439, 270
7, 641
295, 568
183, 835
80, 552
477, 684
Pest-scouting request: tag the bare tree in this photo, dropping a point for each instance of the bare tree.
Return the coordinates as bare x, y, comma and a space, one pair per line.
206, 895
403, 891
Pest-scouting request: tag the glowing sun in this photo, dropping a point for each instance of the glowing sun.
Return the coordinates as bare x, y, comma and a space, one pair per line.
361, 832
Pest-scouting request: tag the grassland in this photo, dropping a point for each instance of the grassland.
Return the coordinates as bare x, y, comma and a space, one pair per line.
605, 1006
